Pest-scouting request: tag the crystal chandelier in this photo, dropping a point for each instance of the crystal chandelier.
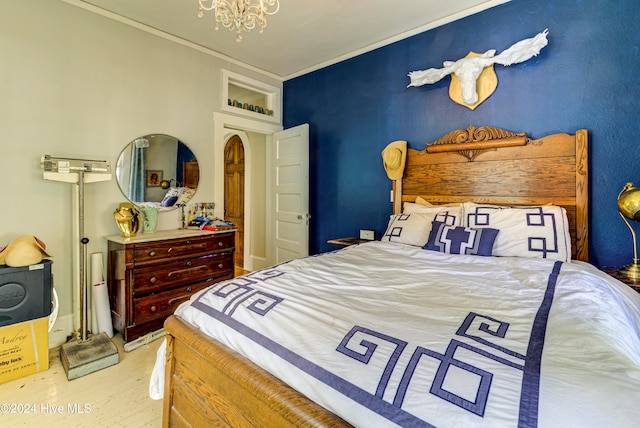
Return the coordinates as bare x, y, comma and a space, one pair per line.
242, 15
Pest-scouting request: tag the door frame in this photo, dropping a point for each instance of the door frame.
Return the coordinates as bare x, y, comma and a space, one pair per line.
225, 126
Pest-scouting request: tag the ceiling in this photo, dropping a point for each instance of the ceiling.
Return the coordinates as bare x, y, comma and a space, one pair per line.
303, 36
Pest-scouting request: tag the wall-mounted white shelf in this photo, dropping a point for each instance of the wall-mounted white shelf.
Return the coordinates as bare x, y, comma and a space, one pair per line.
249, 97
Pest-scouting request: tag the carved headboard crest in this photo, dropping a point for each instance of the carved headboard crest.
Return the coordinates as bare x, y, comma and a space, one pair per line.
472, 141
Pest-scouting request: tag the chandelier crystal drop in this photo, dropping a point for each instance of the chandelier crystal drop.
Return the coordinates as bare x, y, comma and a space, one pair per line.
240, 15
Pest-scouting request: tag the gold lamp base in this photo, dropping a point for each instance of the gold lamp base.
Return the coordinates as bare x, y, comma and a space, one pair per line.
632, 271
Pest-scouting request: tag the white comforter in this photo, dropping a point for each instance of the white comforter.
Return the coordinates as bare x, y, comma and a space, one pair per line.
386, 334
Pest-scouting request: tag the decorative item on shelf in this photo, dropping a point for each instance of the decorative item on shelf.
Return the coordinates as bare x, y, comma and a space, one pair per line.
219, 224
165, 184
193, 212
206, 209
128, 219
183, 217
629, 208
240, 15
207, 223
150, 222
250, 107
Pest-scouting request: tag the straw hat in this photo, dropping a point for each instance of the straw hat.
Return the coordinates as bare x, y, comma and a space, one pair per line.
24, 250
394, 157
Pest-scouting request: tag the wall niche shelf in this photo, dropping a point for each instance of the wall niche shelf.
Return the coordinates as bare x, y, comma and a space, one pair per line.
249, 97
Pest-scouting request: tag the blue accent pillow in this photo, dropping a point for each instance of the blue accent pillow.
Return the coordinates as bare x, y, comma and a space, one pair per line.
461, 240
168, 201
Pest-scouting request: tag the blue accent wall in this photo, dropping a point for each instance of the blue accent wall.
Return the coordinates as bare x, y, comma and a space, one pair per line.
587, 77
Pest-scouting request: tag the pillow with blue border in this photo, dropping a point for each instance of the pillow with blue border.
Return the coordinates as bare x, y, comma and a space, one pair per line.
461, 240
539, 231
414, 228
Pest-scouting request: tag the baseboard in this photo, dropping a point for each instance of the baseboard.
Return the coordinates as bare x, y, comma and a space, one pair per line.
255, 263
62, 328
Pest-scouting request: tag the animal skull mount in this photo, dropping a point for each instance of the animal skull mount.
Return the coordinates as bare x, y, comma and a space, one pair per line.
474, 73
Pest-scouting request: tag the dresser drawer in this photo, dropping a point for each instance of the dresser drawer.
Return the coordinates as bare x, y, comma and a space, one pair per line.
154, 252
149, 276
153, 279
163, 304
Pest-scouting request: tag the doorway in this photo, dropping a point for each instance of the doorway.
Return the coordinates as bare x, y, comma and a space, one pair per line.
257, 137
234, 183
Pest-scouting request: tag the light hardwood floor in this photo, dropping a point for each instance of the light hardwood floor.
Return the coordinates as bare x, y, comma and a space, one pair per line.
117, 396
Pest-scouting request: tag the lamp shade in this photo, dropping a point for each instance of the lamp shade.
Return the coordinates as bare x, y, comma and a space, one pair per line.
629, 203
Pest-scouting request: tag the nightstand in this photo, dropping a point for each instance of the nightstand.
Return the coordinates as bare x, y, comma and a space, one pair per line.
613, 271
347, 241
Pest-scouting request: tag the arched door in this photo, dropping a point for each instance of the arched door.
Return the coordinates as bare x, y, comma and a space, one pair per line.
234, 192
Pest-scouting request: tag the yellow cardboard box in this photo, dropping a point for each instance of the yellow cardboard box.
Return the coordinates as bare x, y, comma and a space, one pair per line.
24, 349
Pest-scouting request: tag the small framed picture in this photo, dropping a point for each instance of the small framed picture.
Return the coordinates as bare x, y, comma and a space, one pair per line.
154, 178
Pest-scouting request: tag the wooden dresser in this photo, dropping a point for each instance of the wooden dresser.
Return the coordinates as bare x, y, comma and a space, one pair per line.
151, 274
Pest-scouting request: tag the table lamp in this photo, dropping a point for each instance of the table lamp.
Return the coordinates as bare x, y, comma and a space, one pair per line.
629, 208
165, 184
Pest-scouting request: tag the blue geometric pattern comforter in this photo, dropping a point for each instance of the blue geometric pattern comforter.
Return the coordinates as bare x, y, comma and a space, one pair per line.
385, 334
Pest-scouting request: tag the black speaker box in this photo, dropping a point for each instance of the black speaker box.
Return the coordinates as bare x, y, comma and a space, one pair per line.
25, 292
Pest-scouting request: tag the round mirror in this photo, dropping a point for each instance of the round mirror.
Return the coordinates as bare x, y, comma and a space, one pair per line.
157, 170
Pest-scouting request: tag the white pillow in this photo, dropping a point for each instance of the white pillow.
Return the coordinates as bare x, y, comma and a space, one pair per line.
185, 195
425, 207
410, 207
414, 228
421, 201
173, 191
527, 231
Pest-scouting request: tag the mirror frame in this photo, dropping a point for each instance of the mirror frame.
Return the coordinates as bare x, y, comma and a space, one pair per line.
171, 172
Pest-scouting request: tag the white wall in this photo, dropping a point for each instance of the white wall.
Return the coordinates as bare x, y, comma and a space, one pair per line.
258, 250
77, 84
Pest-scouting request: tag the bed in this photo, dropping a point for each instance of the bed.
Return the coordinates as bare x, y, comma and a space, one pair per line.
540, 338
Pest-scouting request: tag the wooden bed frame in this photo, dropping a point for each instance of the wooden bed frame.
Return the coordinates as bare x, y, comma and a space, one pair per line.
208, 384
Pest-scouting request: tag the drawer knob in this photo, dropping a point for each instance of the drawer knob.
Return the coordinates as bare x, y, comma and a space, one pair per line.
220, 244
189, 263
152, 253
153, 308
188, 242
220, 266
170, 250
189, 289
153, 279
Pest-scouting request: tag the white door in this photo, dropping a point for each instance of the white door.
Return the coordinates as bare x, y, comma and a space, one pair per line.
288, 204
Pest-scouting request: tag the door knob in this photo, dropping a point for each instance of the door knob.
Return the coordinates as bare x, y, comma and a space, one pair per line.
306, 217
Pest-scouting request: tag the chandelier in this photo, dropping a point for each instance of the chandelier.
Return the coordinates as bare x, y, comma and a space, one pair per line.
242, 15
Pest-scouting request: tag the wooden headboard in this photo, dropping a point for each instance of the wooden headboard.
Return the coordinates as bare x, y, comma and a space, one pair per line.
494, 166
